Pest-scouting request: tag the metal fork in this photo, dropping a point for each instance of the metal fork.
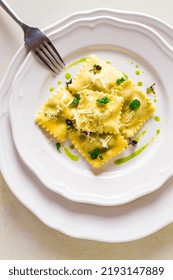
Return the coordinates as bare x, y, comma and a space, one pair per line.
38, 42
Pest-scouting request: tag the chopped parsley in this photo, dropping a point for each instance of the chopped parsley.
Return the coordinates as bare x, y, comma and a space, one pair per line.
121, 80
103, 100
134, 104
76, 100
58, 146
94, 153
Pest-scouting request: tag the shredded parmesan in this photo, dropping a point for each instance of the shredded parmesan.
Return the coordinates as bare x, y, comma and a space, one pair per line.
129, 116
45, 148
105, 141
102, 78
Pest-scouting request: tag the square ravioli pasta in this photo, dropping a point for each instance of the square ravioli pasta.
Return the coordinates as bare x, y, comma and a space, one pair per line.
97, 149
52, 116
97, 112
95, 74
132, 120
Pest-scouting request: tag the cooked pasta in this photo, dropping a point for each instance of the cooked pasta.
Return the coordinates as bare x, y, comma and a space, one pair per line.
96, 112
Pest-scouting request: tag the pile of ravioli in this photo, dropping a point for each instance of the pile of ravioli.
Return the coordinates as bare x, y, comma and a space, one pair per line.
98, 130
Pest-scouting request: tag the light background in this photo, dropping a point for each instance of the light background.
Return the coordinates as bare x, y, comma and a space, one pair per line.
22, 235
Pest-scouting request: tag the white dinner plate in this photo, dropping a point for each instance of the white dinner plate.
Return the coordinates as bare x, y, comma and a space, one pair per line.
111, 224
134, 49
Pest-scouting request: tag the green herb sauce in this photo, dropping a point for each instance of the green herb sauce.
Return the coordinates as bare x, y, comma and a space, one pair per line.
129, 157
137, 66
70, 155
137, 152
140, 135
108, 62
140, 84
157, 118
59, 82
68, 76
137, 72
75, 63
51, 89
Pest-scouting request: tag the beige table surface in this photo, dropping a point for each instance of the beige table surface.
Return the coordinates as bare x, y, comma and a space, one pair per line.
22, 235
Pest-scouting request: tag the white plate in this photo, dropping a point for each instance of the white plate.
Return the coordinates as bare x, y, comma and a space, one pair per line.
110, 185
111, 224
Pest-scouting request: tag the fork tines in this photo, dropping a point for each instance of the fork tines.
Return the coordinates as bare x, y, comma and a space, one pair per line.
48, 54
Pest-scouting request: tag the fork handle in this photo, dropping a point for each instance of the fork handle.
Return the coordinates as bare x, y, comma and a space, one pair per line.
11, 12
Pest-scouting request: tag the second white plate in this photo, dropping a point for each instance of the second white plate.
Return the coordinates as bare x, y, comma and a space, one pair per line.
133, 48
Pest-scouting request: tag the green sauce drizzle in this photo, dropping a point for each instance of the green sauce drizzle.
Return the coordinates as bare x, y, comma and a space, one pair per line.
68, 76
135, 154
137, 72
140, 135
140, 84
70, 155
137, 66
108, 62
157, 118
59, 82
81, 60
51, 89
138, 152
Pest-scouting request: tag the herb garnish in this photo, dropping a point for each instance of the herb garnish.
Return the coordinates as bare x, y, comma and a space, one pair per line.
134, 104
132, 142
96, 68
151, 89
76, 100
94, 153
121, 80
103, 100
69, 124
68, 83
58, 146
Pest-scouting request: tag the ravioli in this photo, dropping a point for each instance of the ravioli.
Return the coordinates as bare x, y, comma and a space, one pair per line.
52, 116
94, 112
103, 147
91, 78
132, 120
94, 115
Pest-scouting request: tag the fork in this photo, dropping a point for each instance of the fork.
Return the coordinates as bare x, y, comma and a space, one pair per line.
37, 42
